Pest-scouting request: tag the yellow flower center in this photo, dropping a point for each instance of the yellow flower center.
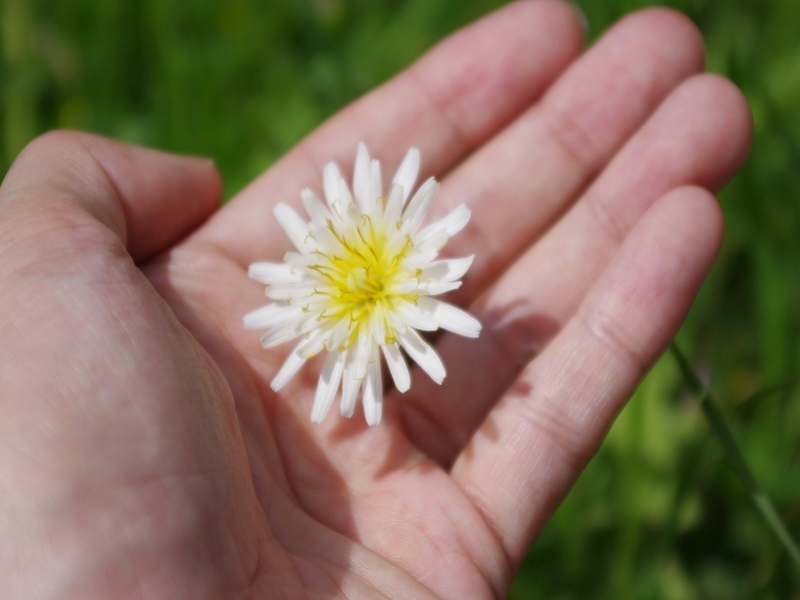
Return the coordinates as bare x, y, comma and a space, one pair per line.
363, 275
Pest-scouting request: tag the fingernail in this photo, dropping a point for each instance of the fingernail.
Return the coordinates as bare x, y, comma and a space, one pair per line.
581, 15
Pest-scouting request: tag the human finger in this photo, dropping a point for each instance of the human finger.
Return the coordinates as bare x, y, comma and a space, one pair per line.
699, 136
533, 445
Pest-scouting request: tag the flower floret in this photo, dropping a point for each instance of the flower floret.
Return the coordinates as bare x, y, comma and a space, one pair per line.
361, 284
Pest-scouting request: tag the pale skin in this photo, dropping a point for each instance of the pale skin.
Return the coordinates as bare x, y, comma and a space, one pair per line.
142, 452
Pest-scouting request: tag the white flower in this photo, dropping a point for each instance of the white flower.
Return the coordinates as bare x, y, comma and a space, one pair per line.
362, 283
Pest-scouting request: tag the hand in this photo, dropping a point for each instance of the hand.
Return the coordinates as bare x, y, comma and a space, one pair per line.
143, 453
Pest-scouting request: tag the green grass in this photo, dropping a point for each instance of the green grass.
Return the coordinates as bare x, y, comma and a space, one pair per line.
659, 512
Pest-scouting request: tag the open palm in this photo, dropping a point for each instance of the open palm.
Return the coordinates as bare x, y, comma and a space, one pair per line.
142, 452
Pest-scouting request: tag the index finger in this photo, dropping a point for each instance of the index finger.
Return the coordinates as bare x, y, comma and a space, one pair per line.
449, 102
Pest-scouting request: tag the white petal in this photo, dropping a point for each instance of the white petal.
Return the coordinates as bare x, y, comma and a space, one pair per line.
416, 318
325, 241
318, 212
373, 389
452, 224
457, 219
295, 227
338, 337
399, 240
328, 384
297, 260
361, 177
417, 259
312, 344
279, 336
290, 367
330, 181
405, 287
434, 288
350, 387
270, 273
361, 354
341, 325
397, 367
431, 243
406, 175
309, 321
394, 207
423, 354
293, 291
270, 315
351, 221
451, 317
398, 324
377, 324
375, 187
418, 206
345, 197
320, 338
447, 270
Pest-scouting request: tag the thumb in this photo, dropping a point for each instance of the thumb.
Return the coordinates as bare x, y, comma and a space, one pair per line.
150, 199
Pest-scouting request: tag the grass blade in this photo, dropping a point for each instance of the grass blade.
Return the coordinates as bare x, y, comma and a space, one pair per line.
725, 436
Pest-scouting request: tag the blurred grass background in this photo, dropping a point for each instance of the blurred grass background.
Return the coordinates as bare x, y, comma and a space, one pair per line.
659, 512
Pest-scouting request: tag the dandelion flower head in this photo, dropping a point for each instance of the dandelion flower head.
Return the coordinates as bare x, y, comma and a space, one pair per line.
362, 283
